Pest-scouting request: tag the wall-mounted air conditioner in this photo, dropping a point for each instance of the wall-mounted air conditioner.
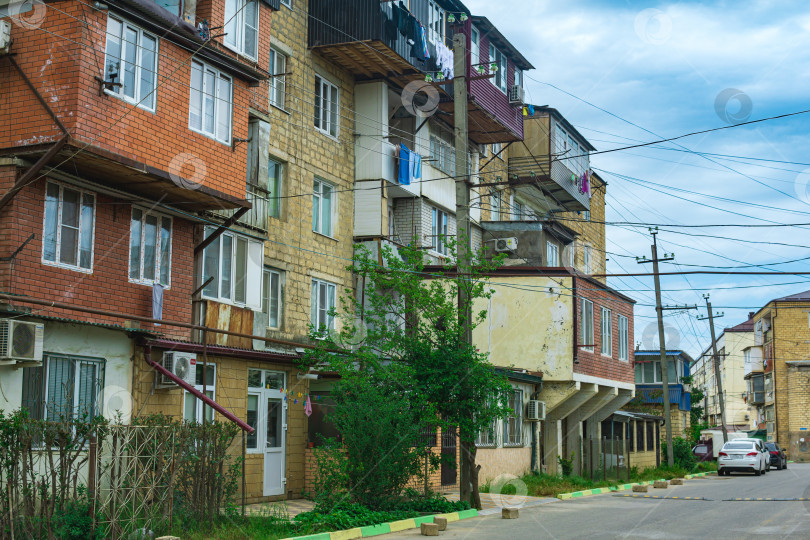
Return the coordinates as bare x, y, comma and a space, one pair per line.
506, 244
21, 341
516, 94
535, 410
182, 365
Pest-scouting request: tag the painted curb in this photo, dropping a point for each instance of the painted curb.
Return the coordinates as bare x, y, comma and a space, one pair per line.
622, 487
385, 528
698, 475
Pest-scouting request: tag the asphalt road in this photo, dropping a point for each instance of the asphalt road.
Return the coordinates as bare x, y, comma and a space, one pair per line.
611, 516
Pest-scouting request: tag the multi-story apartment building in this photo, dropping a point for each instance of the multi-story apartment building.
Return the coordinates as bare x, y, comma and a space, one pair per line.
777, 372
731, 346
649, 387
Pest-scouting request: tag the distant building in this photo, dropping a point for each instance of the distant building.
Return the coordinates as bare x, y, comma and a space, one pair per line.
649, 388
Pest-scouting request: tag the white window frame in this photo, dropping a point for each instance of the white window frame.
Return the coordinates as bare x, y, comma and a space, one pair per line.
517, 211
143, 100
586, 259
238, 25
327, 120
252, 277
475, 46
624, 338
517, 415
437, 18
81, 228
586, 325
497, 57
552, 254
518, 77
268, 291
318, 208
439, 230
606, 334
260, 393
158, 248
210, 391
495, 203
275, 187
278, 78
488, 438
572, 254
316, 312
218, 102
496, 150
71, 376
443, 155
287, 3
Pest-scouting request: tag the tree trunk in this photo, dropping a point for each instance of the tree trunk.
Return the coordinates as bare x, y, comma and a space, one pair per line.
465, 470
475, 493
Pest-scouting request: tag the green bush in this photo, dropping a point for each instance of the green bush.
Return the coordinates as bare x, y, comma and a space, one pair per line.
348, 516
567, 465
683, 456
431, 503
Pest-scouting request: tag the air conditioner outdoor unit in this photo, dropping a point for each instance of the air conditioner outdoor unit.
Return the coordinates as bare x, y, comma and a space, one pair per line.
535, 410
182, 365
506, 244
20, 341
5, 37
516, 94
748, 417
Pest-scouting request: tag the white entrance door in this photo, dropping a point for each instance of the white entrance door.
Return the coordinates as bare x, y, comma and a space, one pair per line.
275, 417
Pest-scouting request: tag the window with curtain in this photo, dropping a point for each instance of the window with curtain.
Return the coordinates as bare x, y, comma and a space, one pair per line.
131, 61
150, 247
67, 238
65, 387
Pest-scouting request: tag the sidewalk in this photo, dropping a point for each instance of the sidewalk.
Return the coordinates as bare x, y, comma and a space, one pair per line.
492, 503
293, 507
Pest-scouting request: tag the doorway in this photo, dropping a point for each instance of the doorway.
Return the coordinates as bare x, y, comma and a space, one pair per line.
268, 410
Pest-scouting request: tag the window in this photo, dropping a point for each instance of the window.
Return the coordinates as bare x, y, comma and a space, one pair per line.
275, 174
436, 18
322, 207
488, 437
192, 406
174, 6
650, 436
513, 424
517, 211
278, 79
323, 301
586, 259
234, 261
495, 205
131, 61
263, 415
572, 252
552, 254
287, 3
631, 432
241, 27
443, 155
518, 77
438, 230
150, 248
69, 221
587, 325
475, 46
271, 296
624, 339
63, 388
496, 150
496, 57
326, 107
607, 332
649, 372
210, 102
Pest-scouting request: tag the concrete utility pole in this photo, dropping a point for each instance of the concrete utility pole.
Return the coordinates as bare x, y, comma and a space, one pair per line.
463, 231
718, 383
659, 309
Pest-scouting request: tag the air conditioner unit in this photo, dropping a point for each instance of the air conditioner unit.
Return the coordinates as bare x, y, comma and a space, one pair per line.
506, 244
180, 364
21, 341
516, 94
5, 37
748, 417
535, 410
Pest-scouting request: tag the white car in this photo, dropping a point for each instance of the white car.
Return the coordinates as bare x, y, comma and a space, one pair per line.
743, 455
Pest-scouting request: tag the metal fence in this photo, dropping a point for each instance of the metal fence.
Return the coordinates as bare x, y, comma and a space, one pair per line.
606, 459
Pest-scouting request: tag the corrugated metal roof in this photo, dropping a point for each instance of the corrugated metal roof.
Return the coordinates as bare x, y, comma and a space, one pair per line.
67, 320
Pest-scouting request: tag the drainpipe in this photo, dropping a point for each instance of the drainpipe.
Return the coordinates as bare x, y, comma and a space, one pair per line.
535, 441
147, 354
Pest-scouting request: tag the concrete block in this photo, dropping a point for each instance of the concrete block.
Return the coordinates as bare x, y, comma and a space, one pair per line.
639, 489
441, 522
676, 481
509, 513
429, 529
660, 484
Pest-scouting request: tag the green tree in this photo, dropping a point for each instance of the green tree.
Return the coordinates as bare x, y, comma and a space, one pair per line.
402, 330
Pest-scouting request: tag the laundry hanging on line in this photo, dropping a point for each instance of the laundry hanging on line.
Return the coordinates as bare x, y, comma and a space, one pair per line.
444, 59
410, 166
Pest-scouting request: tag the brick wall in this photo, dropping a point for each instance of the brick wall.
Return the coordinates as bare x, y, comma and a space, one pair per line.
594, 363
107, 287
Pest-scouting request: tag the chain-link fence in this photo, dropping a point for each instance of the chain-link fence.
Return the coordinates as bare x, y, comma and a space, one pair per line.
606, 459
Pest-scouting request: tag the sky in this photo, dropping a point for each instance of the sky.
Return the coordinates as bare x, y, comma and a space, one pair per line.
660, 70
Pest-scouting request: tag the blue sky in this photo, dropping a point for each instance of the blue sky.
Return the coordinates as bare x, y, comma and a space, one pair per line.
673, 68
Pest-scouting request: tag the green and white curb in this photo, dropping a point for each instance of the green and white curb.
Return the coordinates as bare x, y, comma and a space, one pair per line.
621, 487
385, 528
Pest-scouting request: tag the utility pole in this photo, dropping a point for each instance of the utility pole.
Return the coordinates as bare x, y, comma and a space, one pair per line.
659, 309
463, 235
718, 383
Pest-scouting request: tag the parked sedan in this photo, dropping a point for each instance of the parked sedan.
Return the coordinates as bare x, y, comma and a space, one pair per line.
743, 455
777, 454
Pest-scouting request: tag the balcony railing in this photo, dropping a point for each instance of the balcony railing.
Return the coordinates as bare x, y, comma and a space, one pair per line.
755, 398
557, 182
256, 217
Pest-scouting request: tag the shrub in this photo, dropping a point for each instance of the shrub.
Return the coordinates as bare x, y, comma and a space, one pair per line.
683, 456
567, 465
348, 516
430, 503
